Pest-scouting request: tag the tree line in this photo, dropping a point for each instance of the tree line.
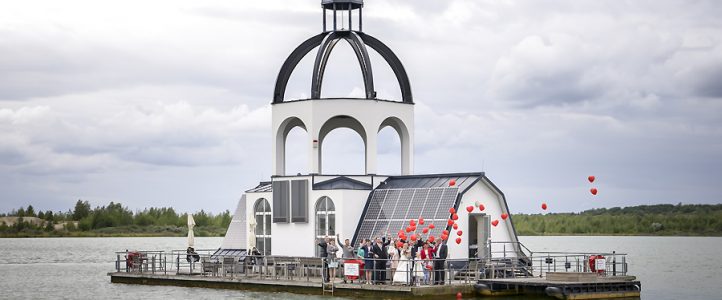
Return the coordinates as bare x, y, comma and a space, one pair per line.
661, 219
111, 220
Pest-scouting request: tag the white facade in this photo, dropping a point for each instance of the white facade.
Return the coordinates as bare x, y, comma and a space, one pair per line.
321, 116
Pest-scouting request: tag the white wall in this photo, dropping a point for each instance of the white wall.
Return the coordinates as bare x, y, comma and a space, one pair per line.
298, 239
494, 207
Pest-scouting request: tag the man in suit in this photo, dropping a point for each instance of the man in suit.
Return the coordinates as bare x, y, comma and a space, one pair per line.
381, 254
442, 251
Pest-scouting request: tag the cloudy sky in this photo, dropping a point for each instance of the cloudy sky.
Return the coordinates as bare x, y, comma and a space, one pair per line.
166, 103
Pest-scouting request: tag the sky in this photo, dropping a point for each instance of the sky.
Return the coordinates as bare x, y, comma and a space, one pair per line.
167, 103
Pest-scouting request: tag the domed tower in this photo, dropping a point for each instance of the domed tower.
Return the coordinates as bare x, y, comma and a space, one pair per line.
318, 116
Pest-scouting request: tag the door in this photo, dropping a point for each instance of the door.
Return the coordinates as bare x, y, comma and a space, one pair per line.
479, 227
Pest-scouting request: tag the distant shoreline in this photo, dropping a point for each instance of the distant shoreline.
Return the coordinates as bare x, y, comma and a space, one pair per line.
126, 235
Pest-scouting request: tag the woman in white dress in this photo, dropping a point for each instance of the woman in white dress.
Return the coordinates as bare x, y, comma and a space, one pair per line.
403, 269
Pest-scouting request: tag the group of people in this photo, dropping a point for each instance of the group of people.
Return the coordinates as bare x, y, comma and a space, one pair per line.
414, 262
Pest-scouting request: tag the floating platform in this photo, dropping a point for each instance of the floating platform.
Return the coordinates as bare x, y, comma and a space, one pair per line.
312, 286
563, 288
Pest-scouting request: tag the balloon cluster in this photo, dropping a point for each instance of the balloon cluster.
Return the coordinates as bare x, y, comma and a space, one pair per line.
593, 190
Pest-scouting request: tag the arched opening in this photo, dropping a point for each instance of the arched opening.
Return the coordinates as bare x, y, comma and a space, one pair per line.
394, 125
284, 129
325, 220
296, 151
340, 149
389, 151
262, 214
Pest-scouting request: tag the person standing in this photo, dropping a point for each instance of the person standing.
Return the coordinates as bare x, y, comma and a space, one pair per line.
323, 243
332, 258
368, 261
442, 252
346, 253
427, 257
381, 254
394, 257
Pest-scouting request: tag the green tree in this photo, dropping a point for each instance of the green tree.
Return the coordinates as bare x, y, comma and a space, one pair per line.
30, 212
82, 210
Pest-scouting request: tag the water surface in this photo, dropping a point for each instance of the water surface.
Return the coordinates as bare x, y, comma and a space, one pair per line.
76, 268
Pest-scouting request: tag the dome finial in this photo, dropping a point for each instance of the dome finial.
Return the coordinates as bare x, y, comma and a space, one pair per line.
342, 5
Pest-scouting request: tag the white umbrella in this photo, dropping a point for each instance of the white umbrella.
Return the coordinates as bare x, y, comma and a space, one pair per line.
191, 236
252, 232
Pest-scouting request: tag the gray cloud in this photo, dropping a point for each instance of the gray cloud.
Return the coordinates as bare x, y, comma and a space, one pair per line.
172, 108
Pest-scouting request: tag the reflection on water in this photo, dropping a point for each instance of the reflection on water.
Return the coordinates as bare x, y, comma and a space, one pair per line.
669, 267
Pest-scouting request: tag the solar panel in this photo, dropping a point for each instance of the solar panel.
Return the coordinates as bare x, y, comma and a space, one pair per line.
390, 210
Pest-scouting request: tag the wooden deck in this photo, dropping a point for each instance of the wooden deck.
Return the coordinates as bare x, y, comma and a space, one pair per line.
310, 286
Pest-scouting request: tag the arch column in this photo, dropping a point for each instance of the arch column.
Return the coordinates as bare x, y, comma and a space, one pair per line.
371, 153
407, 155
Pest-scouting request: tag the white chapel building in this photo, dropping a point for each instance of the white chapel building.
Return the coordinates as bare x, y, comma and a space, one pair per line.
286, 214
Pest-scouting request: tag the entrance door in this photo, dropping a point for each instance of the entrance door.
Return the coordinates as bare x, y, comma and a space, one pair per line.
479, 227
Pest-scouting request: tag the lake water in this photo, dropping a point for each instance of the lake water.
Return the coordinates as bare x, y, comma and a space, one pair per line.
76, 268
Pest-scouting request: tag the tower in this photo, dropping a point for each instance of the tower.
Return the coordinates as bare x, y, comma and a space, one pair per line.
318, 116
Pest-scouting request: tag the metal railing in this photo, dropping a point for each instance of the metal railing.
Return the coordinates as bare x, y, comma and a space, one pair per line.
502, 260
141, 262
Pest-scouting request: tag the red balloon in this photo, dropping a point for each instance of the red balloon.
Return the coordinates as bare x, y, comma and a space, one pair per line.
413, 228
593, 191
452, 210
412, 222
408, 229
452, 182
458, 240
454, 217
431, 226
413, 237
459, 233
431, 239
445, 237
591, 178
450, 222
399, 244
544, 206
445, 232
470, 208
456, 226
421, 221
425, 230
504, 216
481, 207
495, 222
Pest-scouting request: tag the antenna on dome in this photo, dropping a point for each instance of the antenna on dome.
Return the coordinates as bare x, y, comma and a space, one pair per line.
336, 6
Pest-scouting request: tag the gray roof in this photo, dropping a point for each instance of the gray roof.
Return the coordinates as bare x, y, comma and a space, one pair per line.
342, 183
463, 181
262, 187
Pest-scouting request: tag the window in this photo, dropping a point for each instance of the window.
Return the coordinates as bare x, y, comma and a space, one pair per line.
325, 219
281, 213
262, 213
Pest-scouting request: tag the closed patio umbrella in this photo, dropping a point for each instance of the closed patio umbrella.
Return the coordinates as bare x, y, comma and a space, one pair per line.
191, 236
252, 232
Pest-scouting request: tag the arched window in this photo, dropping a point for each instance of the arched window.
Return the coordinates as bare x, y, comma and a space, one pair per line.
262, 212
325, 219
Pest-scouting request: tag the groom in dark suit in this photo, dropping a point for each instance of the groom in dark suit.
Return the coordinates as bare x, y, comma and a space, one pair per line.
381, 254
442, 251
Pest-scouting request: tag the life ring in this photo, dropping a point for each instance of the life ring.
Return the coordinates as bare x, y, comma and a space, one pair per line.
593, 264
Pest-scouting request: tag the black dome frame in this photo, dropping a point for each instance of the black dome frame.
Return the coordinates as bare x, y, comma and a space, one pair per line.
327, 41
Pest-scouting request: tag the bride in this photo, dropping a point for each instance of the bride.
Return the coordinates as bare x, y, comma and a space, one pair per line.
403, 270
